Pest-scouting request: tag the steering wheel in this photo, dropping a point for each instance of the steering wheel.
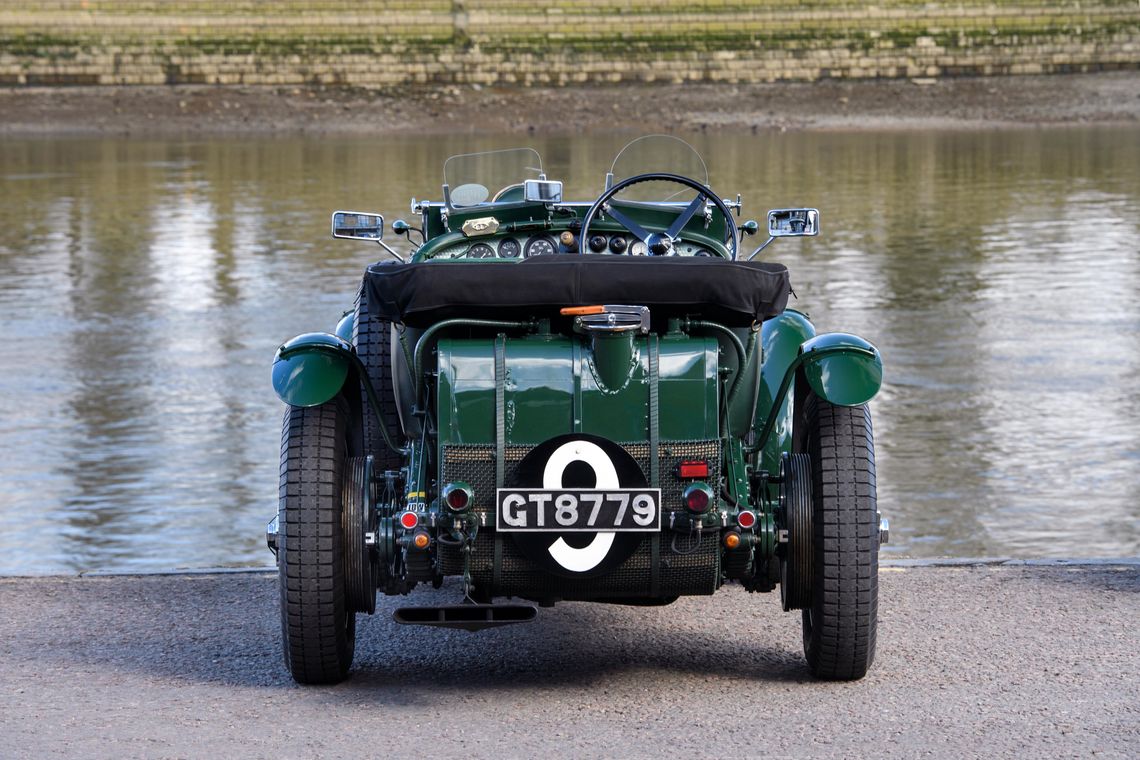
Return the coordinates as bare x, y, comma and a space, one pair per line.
659, 243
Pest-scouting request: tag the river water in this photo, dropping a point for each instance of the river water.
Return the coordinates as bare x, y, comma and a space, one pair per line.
144, 285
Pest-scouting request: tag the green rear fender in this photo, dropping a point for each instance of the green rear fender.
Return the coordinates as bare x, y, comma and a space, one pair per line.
780, 338
841, 368
849, 371
311, 369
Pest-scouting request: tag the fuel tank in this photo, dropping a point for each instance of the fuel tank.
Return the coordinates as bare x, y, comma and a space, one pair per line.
556, 384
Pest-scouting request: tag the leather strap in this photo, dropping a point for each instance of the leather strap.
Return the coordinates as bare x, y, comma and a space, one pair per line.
654, 457
500, 441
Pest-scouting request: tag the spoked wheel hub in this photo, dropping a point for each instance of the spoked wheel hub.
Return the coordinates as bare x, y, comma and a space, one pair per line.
796, 511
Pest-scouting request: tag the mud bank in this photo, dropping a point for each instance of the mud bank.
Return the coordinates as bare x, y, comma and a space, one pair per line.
964, 103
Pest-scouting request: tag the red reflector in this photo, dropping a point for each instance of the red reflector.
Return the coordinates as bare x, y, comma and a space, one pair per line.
457, 499
746, 519
409, 520
697, 500
693, 469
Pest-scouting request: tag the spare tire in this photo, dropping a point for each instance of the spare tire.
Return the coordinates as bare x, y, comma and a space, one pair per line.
372, 338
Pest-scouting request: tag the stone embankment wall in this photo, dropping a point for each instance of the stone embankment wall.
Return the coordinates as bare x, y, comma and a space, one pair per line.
385, 43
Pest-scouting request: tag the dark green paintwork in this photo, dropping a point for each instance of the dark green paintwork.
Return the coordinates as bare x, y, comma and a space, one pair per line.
427, 338
740, 409
780, 339
612, 359
736, 473
310, 369
814, 354
346, 325
552, 388
847, 378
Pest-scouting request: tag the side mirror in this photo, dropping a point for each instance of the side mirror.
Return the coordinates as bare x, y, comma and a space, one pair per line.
793, 222
355, 225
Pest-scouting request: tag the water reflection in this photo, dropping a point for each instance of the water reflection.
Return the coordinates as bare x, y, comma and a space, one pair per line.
145, 284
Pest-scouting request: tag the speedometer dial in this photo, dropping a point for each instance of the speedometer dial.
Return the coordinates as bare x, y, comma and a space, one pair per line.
481, 251
539, 246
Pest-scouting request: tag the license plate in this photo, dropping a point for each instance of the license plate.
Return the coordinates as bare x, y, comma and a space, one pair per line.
564, 510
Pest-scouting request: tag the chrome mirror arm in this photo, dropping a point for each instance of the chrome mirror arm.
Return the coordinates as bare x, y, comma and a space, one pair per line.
388, 248
762, 247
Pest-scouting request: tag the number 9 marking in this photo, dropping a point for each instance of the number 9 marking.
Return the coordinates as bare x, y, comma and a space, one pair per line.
591, 555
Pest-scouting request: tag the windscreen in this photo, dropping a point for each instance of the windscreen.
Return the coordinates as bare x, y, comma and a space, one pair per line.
654, 154
474, 178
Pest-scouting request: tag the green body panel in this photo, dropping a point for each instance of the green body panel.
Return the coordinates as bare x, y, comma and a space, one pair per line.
310, 369
740, 409
780, 338
613, 359
553, 386
844, 379
736, 474
345, 326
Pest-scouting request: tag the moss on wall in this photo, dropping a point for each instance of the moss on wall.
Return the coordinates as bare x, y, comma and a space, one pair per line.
392, 42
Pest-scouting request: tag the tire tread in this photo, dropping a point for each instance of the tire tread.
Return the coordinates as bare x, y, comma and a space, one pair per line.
372, 337
840, 630
317, 628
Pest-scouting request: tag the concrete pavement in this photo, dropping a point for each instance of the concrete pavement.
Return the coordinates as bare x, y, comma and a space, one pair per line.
1001, 661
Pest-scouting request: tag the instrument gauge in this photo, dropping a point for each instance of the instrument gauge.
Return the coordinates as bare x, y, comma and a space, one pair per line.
509, 248
539, 245
638, 248
454, 252
481, 251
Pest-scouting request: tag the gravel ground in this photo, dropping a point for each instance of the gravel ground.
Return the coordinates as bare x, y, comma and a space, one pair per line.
997, 661
966, 103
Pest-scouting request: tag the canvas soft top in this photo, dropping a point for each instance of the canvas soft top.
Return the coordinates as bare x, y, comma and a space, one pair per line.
736, 293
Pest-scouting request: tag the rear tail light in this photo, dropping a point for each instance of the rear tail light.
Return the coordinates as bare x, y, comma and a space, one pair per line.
409, 520
697, 498
458, 496
746, 519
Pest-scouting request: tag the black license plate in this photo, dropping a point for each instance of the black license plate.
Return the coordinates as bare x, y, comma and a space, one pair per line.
564, 510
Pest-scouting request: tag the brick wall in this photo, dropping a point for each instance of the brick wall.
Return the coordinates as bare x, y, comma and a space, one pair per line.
381, 43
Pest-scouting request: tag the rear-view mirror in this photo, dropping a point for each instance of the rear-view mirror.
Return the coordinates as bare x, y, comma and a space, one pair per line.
355, 225
793, 222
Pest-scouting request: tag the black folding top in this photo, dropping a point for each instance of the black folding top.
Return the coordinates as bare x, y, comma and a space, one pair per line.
732, 292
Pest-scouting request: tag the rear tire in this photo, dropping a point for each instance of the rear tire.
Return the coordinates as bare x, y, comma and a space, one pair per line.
840, 625
372, 337
318, 629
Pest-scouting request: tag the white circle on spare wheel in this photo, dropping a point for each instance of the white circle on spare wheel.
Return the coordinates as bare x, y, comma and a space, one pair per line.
591, 555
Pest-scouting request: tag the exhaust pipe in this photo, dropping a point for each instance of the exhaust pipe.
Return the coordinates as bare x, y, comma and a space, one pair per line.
469, 617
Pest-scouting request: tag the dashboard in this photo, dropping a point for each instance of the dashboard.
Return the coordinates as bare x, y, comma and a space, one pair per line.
543, 244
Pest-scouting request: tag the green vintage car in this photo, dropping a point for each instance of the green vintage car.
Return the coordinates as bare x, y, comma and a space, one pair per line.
553, 400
